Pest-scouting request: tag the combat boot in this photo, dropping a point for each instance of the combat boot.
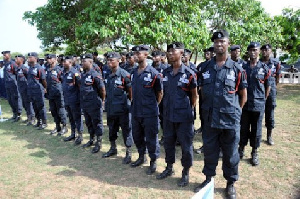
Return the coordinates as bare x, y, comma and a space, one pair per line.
203, 184
254, 157
230, 190
56, 129
269, 137
184, 181
241, 151
31, 121
43, 125
79, 139
38, 123
71, 137
18, 117
152, 167
89, 143
13, 117
63, 130
141, 160
98, 145
127, 158
167, 172
112, 151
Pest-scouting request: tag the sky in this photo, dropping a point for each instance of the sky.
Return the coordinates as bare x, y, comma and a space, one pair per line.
17, 35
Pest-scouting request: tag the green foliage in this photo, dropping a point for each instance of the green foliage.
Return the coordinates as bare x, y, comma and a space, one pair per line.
290, 23
84, 25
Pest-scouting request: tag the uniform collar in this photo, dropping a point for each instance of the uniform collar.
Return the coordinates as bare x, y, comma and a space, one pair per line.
118, 72
228, 63
180, 70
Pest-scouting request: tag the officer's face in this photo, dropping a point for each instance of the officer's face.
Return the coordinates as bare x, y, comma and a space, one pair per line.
174, 54
221, 45
67, 63
86, 63
207, 55
130, 60
19, 60
140, 56
163, 58
51, 61
123, 58
266, 52
156, 59
6, 56
185, 58
253, 53
32, 59
113, 63
235, 53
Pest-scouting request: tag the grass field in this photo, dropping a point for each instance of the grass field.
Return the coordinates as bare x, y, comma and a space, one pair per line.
34, 164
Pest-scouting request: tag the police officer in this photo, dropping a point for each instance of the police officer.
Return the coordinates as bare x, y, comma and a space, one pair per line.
55, 95
274, 66
2, 82
92, 94
147, 93
208, 54
60, 59
119, 94
71, 90
36, 88
157, 64
163, 57
235, 52
257, 92
130, 62
12, 92
96, 60
180, 96
223, 85
22, 72
123, 62
186, 60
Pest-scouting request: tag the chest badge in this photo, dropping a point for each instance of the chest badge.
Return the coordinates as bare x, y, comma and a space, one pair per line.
231, 75
206, 75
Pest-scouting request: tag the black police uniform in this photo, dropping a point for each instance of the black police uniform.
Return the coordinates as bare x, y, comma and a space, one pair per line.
12, 92
91, 104
117, 107
22, 72
35, 91
56, 98
251, 120
221, 116
71, 90
145, 111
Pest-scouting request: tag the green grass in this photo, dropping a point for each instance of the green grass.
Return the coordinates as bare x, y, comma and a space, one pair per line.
34, 164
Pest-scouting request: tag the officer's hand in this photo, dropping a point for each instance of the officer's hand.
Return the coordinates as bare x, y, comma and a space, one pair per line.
45, 90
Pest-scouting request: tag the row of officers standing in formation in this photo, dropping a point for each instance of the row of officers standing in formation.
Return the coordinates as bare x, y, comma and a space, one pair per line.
141, 98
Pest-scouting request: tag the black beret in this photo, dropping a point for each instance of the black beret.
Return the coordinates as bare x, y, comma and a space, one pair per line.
211, 49
141, 48
163, 54
33, 54
130, 54
74, 55
41, 59
61, 55
219, 34
266, 46
113, 55
68, 57
187, 52
123, 53
175, 45
234, 47
95, 53
156, 53
22, 56
205, 50
45, 55
253, 45
50, 56
5, 52
87, 56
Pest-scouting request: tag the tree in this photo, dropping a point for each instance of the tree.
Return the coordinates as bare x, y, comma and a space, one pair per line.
290, 23
83, 25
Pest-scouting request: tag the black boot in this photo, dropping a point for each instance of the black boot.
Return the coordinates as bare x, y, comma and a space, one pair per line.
184, 181
199, 151
167, 172
241, 151
37, 125
78, 139
203, 184
230, 190
152, 167
254, 157
127, 158
71, 137
141, 160
31, 121
98, 145
13, 117
17, 118
63, 130
89, 143
269, 137
112, 151
43, 125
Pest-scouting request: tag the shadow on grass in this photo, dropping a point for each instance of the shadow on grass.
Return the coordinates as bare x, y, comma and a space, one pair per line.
81, 162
